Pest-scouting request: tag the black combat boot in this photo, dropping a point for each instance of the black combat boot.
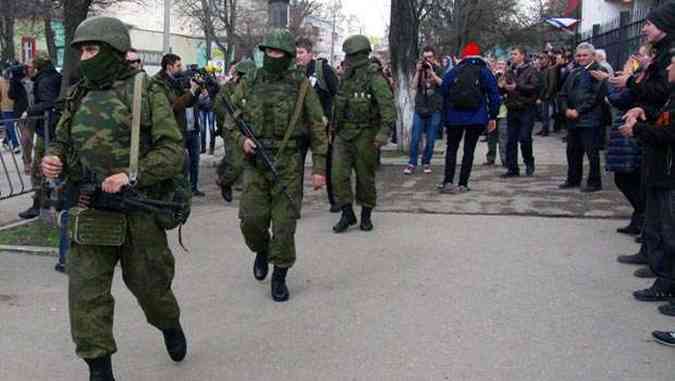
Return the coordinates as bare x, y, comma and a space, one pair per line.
226, 192
31, 212
346, 220
278, 284
260, 266
366, 223
176, 343
100, 369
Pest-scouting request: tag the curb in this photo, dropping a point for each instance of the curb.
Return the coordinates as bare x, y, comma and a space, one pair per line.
17, 223
31, 250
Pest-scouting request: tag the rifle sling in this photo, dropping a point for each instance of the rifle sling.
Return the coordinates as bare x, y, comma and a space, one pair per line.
135, 128
294, 119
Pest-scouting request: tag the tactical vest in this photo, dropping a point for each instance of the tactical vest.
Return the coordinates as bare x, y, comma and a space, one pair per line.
268, 106
101, 127
355, 106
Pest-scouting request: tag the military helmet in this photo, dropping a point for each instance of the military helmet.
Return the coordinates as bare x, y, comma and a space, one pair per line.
355, 44
110, 30
244, 67
280, 39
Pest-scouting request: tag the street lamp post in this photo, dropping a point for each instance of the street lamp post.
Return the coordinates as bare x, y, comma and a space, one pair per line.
279, 13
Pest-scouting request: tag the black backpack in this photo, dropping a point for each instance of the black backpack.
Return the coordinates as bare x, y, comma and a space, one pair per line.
466, 92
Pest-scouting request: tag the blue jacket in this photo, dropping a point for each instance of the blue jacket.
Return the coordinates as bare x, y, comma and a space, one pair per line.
489, 108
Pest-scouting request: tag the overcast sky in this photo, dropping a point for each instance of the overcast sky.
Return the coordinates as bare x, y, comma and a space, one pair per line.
374, 14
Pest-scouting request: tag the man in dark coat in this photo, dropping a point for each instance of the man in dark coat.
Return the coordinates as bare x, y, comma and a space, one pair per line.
581, 102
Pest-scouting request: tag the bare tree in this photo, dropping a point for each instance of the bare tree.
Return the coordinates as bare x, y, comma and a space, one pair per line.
298, 11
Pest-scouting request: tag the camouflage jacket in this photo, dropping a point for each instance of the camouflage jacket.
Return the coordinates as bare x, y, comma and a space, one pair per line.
94, 133
364, 101
223, 120
268, 102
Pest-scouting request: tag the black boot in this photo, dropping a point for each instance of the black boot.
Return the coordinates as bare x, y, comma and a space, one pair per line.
176, 343
100, 369
366, 223
278, 284
226, 192
260, 266
346, 220
31, 212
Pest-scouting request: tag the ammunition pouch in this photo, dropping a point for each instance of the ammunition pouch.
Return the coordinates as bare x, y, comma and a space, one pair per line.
91, 227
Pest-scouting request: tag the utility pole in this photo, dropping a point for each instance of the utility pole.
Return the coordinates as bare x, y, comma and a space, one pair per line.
279, 13
166, 45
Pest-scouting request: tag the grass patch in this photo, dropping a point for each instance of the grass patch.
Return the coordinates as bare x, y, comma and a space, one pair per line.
37, 233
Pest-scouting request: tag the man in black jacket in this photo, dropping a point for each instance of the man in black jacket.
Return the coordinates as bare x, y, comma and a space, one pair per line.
581, 102
325, 82
659, 237
650, 87
46, 89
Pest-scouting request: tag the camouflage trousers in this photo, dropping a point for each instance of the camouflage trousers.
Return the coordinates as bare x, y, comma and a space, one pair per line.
147, 269
358, 155
231, 166
263, 206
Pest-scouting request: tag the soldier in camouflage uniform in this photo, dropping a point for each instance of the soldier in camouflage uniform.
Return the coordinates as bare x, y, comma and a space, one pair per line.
267, 98
230, 167
364, 116
93, 136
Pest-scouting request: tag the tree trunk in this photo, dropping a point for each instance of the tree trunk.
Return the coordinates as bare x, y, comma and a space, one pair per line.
403, 36
7, 24
49, 36
74, 12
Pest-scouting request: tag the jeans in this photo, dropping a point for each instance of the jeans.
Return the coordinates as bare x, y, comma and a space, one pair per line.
10, 132
498, 139
520, 125
207, 124
455, 134
428, 126
582, 141
192, 145
544, 109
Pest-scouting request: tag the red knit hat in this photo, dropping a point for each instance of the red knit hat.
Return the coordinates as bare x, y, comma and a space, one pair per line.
471, 49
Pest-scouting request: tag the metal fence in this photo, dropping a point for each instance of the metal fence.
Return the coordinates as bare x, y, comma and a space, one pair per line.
621, 36
15, 177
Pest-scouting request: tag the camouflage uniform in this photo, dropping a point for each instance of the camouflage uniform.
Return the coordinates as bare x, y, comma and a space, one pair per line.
94, 133
267, 100
364, 116
232, 164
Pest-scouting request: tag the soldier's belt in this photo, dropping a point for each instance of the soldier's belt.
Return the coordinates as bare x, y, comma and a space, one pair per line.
273, 145
97, 227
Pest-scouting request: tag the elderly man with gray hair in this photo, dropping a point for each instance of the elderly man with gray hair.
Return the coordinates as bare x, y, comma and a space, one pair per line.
581, 100
601, 59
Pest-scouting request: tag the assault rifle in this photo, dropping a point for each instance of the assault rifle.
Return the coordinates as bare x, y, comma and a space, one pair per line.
260, 152
127, 200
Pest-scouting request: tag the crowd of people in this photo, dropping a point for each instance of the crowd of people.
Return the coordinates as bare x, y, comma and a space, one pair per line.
296, 103
626, 113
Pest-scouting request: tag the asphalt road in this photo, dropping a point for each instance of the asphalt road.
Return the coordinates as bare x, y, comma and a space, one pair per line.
423, 297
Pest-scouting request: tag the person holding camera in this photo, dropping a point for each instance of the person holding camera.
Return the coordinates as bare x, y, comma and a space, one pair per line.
182, 99
428, 104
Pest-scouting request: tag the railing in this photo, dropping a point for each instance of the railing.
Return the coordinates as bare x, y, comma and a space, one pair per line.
14, 175
619, 37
